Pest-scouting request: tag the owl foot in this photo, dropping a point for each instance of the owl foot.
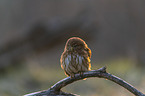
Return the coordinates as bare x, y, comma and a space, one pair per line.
72, 76
81, 74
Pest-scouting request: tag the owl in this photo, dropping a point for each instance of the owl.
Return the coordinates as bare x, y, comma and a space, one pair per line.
76, 57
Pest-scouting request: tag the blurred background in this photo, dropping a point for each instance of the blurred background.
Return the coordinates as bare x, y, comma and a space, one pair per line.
33, 36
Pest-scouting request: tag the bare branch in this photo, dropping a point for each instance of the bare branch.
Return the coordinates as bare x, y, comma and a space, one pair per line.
101, 73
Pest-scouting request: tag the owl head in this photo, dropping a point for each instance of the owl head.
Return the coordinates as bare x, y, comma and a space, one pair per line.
75, 43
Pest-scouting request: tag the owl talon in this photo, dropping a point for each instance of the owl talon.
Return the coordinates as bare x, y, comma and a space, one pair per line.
81, 74
72, 76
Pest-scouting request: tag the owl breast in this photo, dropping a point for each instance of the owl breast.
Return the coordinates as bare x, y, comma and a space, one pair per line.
73, 64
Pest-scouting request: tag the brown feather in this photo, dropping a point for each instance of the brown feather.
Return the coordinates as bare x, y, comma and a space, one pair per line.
76, 57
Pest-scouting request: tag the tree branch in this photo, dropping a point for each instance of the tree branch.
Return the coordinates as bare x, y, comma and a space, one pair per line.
101, 73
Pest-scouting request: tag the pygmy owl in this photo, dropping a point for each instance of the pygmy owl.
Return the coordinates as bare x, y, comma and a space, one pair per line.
76, 57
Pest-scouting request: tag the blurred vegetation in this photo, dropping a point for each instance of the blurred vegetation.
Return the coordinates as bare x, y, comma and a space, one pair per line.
33, 35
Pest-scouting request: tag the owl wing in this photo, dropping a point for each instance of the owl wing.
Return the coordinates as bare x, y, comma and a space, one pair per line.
65, 62
89, 52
